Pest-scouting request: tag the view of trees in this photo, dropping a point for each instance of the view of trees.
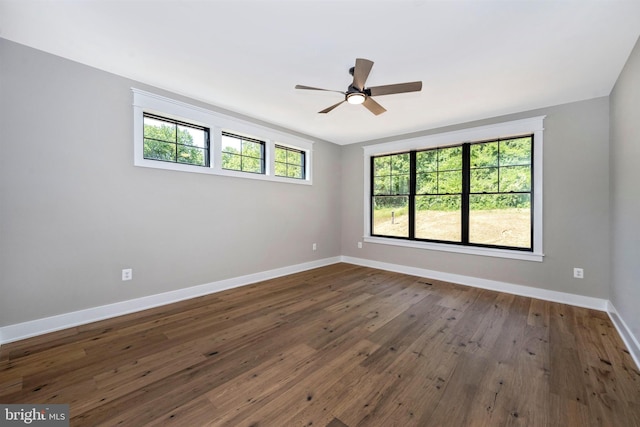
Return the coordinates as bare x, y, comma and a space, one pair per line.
289, 163
500, 180
242, 154
173, 142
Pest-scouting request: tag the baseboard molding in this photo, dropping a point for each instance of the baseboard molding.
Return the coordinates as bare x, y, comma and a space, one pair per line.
36, 327
526, 291
625, 333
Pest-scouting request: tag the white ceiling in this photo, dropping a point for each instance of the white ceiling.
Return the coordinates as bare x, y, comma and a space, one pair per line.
477, 59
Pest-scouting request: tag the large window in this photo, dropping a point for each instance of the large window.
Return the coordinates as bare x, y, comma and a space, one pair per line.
479, 197
170, 134
471, 194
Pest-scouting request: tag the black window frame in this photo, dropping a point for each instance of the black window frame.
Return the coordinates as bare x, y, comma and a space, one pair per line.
207, 140
302, 165
242, 138
465, 195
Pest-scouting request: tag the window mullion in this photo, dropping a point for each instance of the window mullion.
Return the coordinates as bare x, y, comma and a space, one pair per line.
412, 195
371, 193
466, 186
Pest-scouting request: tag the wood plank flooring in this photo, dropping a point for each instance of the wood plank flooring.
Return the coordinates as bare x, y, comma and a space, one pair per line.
336, 346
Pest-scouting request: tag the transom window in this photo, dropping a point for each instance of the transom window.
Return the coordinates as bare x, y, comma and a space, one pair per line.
474, 194
174, 141
289, 162
173, 135
242, 153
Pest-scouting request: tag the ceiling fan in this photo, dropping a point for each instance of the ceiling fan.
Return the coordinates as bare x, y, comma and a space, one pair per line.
357, 93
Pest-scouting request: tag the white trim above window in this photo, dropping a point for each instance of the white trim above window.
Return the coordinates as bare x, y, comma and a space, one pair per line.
146, 102
514, 128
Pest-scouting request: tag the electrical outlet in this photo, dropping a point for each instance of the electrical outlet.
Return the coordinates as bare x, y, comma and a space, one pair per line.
578, 273
127, 274
359, 245
314, 247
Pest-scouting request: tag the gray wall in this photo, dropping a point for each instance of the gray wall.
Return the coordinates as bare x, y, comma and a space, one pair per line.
576, 206
625, 193
74, 210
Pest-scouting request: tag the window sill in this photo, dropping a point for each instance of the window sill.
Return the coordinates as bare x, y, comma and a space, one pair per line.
146, 163
469, 250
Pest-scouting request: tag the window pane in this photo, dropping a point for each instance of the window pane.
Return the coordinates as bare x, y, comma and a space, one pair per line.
450, 182
281, 169
515, 152
515, 178
231, 161
390, 216
294, 171
251, 149
427, 183
381, 166
281, 155
427, 161
484, 180
231, 144
159, 129
294, 157
438, 218
400, 164
484, 155
168, 140
191, 155
391, 174
289, 162
382, 185
157, 150
242, 154
249, 164
500, 219
400, 184
450, 158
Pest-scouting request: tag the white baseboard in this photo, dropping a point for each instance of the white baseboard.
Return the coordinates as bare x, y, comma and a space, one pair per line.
526, 291
36, 327
625, 333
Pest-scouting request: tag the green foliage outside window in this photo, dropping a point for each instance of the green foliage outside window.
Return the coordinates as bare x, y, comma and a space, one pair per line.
172, 141
289, 162
242, 154
498, 193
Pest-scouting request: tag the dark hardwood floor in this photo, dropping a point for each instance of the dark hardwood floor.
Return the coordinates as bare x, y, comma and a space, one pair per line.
336, 346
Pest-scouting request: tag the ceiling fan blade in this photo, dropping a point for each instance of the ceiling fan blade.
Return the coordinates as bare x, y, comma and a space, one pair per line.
326, 110
361, 72
396, 88
317, 88
373, 106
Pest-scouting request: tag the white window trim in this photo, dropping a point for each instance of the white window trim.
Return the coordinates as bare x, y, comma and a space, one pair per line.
533, 125
147, 102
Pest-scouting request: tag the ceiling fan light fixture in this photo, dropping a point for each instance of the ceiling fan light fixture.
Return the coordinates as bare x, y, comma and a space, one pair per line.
355, 98
358, 94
